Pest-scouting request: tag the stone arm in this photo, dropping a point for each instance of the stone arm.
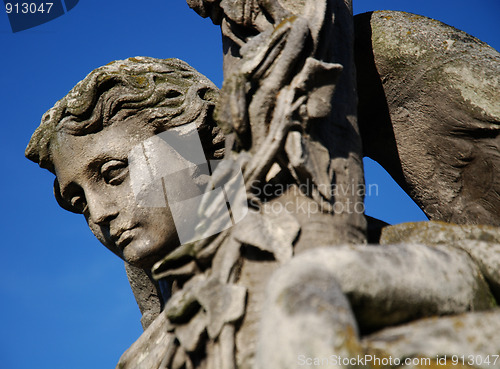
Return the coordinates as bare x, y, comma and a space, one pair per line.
436, 271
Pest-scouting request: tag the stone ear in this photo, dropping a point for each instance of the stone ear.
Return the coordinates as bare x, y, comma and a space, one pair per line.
62, 203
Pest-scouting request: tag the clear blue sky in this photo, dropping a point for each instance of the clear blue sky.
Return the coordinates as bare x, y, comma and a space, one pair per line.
65, 301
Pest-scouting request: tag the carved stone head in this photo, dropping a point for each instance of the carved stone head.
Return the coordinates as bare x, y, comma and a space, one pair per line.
85, 140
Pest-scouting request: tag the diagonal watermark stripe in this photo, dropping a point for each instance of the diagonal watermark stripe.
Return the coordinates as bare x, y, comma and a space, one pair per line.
170, 169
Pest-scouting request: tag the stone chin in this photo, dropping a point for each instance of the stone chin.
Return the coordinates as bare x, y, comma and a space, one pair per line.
141, 253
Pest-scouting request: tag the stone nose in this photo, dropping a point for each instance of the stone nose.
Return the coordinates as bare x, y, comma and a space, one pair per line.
102, 209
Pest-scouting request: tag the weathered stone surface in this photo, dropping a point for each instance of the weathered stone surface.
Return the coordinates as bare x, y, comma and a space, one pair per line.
289, 67
466, 334
289, 74
429, 113
271, 234
223, 304
482, 243
305, 315
189, 335
146, 293
487, 258
393, 284
155, 345
437, 233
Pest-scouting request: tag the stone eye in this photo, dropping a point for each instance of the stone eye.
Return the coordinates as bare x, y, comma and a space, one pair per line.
114, 172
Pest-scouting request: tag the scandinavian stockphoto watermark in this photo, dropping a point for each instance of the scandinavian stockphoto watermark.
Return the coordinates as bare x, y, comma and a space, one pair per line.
170, 169
31, 13
344, 198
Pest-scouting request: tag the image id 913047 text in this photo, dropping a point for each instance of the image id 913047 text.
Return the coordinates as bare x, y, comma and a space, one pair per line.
28, 8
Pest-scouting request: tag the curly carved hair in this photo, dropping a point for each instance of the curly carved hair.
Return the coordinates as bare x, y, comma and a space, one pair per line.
169, 91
